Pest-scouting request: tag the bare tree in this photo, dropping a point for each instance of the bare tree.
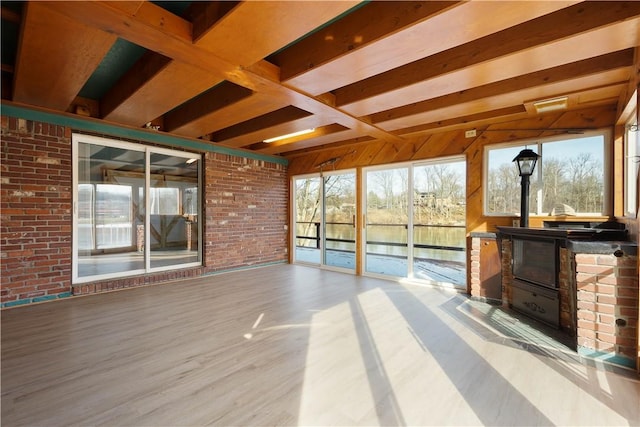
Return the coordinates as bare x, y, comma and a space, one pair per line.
384, 179
584, 174
307, 206
554, 181
504, 189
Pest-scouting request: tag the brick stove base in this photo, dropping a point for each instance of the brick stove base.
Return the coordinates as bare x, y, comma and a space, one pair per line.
598, 292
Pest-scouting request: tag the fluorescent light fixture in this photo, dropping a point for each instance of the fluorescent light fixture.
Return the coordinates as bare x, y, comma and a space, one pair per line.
290, 135
191, 161
551, 104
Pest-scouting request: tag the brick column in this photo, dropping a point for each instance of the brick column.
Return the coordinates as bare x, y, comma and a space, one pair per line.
607, 304
475, 267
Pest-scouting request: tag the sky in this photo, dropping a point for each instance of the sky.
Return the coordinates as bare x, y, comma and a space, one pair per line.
561, 149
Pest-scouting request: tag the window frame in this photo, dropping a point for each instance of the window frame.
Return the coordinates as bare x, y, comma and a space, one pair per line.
631, 164
537, 144
147, 151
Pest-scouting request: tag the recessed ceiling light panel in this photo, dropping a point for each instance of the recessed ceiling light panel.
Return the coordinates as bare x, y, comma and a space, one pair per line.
554, 104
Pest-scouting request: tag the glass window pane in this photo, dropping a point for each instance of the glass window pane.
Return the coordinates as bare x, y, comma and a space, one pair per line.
106, 218
573, 176
339, 216
503, 181
113, 216
86, 217
568, 180
439, 218
632, 152
387, 221
308, 216
173, 228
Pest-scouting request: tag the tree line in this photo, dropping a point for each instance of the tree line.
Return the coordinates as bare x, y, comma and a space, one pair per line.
575, 181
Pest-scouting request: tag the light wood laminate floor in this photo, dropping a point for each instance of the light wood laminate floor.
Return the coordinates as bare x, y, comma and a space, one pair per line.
293, 345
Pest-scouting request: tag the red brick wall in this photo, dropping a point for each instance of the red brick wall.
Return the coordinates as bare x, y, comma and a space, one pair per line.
245, 203
246, 212
475, 286
607, 303
35, 194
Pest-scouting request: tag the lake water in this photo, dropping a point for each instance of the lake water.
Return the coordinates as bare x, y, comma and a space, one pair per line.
443, 261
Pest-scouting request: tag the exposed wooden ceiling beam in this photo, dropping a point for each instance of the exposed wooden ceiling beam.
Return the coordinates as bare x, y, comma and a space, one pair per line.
453, 26
369, 23
617, 60
498, 101
390, 71
153, 86
10, 15
209, 119
598, 96
146, 68
570, 31
565, 51
146, 28
56, 57
149, 89
273, 118
226, 35
286, 127
472, 121
273, 25
221, 96
204, 14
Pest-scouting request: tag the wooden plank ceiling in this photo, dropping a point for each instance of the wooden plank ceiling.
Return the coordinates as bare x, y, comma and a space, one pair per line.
238, 73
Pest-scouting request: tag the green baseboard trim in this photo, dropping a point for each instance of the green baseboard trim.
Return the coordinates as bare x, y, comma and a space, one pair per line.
607, 357
25, 301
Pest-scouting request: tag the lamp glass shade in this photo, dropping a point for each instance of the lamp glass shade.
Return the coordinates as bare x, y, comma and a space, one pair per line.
526, 161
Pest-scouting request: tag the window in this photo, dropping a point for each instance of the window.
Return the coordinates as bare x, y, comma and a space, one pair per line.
632, 162
569, 178
118, 229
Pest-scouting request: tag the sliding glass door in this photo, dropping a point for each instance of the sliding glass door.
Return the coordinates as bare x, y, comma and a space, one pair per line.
307, 214
136, 209
339, 221
386, 222
324, 212
415, 221
439, 231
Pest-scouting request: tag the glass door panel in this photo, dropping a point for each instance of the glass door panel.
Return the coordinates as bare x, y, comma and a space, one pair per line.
439, 214
106, 214
173, 210
386, 233
339, 241
308, 215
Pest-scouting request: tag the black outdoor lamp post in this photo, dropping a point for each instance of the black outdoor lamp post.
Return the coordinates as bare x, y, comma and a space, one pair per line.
526, 161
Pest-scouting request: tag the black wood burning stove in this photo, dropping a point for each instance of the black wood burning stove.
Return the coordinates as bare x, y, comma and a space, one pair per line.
535, 279
535, 265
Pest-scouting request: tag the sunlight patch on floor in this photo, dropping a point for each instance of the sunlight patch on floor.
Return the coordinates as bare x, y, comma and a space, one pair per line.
331, 371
